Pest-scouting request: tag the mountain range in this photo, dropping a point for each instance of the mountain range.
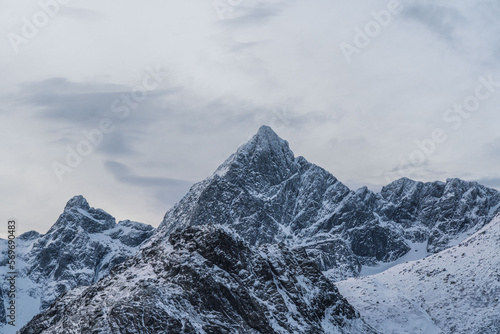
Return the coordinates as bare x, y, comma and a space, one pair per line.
259, 247
266, 195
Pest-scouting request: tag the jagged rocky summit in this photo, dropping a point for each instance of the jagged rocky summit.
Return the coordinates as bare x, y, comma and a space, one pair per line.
205, 279
266, 195
79, 249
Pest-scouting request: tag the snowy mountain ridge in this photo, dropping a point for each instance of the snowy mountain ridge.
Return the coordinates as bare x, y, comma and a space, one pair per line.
79, 249
454, 291
266, 195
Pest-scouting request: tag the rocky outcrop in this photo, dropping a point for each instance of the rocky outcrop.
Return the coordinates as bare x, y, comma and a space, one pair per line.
205, 280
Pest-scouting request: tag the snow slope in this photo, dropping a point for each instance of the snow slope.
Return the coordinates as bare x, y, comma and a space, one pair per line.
454, 291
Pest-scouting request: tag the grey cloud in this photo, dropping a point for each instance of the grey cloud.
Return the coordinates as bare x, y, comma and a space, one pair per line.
254, 13
468, 27
351, 143
288, 118
198, 116
81, 108
115, 144
59, 99
492, 148
166, 190
357, 184
489, 155
493, 182
408, 165
70, 108
422, 171
243, 47
82, 13
61, 84
225, 113
124, 174
439, 19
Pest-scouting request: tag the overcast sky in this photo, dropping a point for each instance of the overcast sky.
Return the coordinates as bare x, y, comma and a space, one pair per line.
369, 90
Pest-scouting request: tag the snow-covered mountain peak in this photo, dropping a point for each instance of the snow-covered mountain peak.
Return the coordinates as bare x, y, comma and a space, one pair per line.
78, 214
77, 201
80, 248
266, 144
264, 161
266, 135
267, 196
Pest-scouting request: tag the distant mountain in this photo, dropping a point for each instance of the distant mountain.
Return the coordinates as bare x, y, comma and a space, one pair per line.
80, 248
454, 291
266, 195
205, 280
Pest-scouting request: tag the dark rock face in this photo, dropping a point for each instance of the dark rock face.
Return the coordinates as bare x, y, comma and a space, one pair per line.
131, 233
445, 209
29, 236
266, 195
205, 280
378, 242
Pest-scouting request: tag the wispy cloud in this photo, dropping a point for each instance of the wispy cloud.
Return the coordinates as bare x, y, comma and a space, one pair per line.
493, 182
166, 190
124, 174
439, 19
82, 13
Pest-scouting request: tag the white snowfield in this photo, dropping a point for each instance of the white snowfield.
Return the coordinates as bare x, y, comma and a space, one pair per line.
455, 291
